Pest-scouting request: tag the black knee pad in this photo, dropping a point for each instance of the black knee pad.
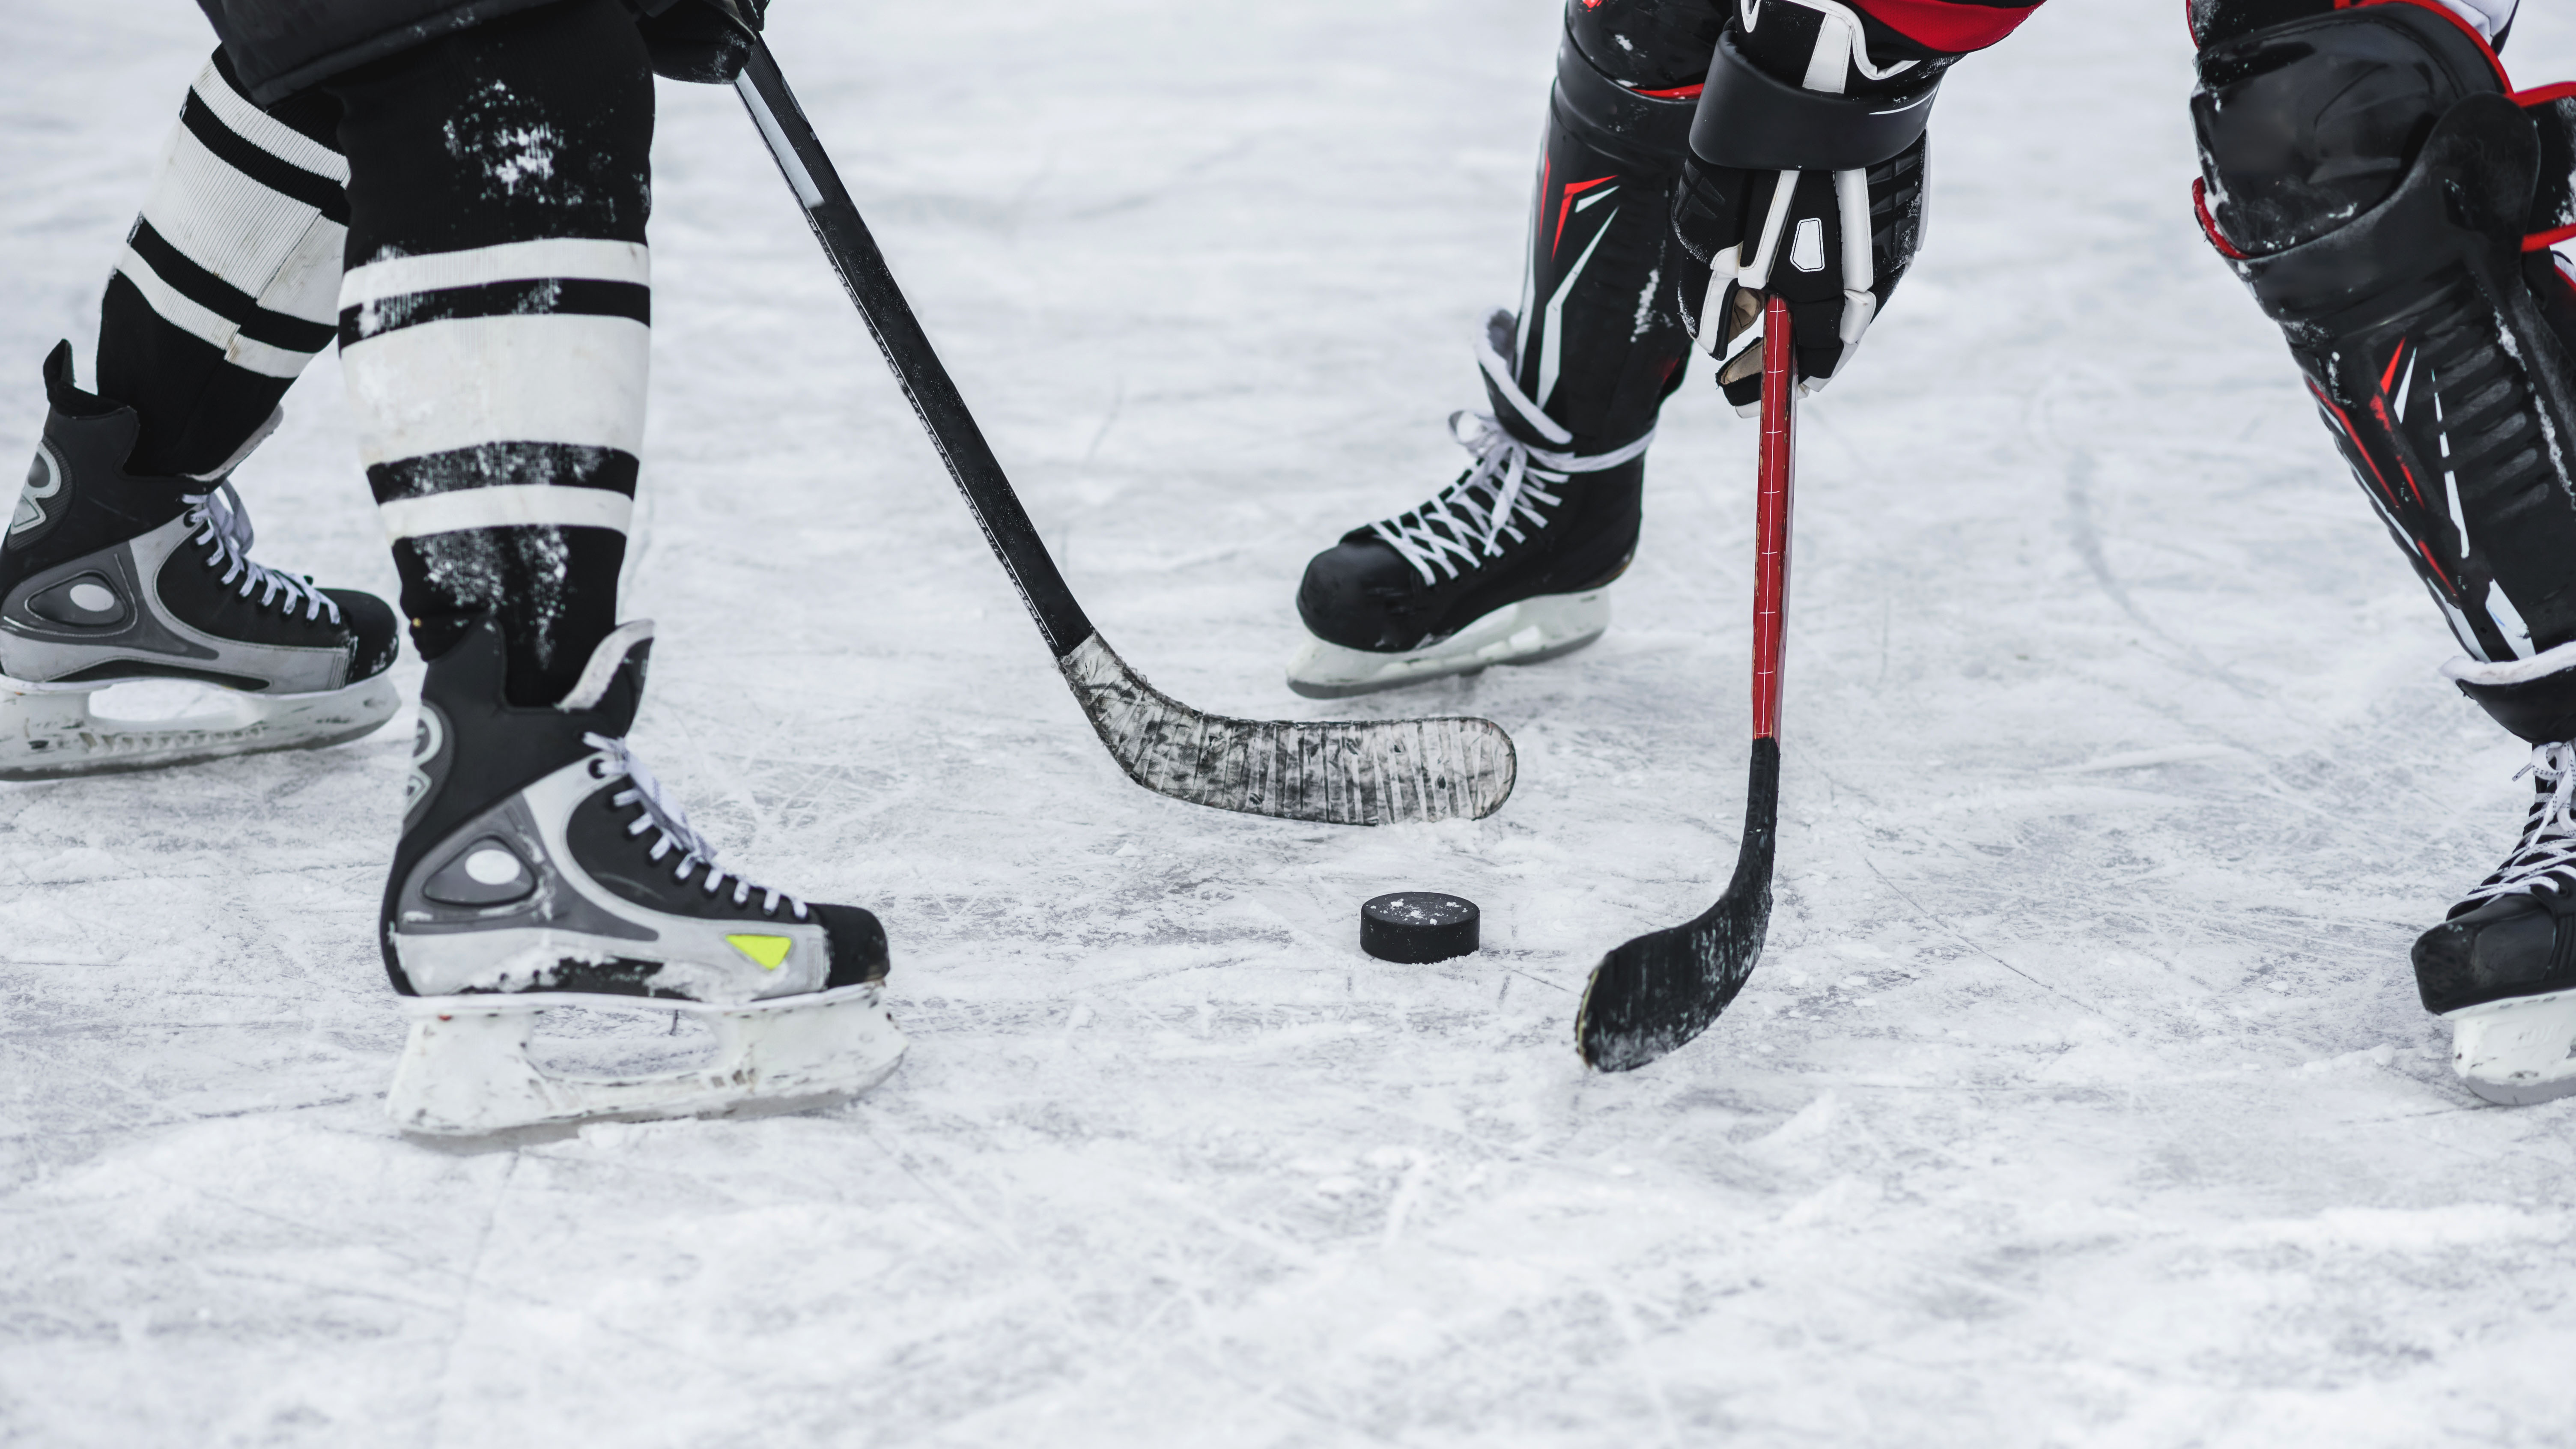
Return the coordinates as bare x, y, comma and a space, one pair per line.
1647, 45
1642, 128
2304, 125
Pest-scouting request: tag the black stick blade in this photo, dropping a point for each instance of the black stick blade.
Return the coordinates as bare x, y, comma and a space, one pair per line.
1658, 991
1340, 772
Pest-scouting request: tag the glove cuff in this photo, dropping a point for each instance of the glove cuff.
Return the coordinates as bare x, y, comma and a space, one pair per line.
1749, 121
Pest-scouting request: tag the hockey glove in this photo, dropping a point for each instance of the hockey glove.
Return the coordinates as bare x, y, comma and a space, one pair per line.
703, 41
1811, 190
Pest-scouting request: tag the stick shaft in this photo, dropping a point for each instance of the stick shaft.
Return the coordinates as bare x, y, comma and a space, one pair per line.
1771, 517
926, 383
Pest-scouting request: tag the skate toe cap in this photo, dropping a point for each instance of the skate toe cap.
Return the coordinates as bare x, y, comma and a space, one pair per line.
1360, 594
858, 945
372, 620
2505, 947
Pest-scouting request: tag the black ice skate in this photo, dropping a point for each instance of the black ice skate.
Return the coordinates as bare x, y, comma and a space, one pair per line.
1508, 565
107, 578
2502, 969
541, 866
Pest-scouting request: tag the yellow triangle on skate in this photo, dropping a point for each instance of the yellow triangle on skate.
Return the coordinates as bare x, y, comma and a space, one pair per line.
768, 951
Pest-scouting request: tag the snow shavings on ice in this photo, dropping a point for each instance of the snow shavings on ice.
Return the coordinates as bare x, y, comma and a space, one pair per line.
2083, 1097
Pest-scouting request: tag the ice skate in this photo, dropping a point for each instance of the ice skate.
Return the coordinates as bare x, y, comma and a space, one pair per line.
541, 866
1510, 564
107, 578
2502, 969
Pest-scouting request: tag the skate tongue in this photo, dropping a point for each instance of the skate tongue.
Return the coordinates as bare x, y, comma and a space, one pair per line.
630, 641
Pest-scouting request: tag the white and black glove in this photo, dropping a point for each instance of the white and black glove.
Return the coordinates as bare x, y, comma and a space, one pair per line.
1805, 181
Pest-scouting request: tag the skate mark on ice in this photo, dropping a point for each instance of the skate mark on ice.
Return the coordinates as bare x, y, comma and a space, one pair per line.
1623, 1316
465, 1294
1163, 189
1117, 400
2144, 759
1955, 934
2086, 539
878, 1125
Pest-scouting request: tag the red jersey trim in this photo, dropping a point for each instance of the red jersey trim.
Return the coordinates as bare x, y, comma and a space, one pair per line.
1947, 24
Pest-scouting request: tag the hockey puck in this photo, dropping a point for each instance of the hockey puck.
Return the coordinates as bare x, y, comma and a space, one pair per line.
1417, 927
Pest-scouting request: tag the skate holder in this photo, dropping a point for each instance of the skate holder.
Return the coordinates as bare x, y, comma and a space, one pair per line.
2517, 1051
467, 1068
51, 731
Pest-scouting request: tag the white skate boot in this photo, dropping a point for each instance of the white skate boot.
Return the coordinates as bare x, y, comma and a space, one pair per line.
541, 867
107, 578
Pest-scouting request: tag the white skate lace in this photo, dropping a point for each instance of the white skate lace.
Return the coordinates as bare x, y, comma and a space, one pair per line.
2547, 855
663, 814
1469, 521
226, 526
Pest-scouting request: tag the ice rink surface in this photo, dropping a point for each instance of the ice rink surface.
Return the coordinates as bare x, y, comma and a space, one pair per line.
2082, 1099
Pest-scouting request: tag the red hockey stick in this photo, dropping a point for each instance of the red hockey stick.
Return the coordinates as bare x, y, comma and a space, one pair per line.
1665, 987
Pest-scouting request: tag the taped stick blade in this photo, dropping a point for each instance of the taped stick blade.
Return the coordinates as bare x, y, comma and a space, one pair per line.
1655, 993
1347, 772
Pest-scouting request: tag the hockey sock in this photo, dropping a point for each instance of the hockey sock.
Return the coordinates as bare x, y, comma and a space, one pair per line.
1597, 344
228, 282
493, 323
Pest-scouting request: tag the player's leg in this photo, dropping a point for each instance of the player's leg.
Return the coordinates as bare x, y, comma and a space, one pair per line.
1508, 564
126, 557
2375, 185
493, 328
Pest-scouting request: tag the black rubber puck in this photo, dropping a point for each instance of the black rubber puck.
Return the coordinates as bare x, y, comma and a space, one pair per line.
1419, 926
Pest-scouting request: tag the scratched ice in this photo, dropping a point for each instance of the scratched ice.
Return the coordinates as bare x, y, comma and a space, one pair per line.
2083, 1099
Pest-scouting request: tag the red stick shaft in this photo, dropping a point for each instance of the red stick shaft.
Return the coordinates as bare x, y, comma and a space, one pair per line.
1771, 517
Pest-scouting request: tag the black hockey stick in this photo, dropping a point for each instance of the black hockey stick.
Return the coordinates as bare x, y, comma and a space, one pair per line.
1665, 987
1341, 773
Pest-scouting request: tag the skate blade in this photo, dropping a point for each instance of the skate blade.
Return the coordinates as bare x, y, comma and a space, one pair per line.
2518, 1051
48, 733
466, 1070
1527, 632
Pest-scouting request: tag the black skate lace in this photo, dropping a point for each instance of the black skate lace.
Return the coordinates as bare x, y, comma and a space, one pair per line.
1469, 521
664, 814
225, 525
2547, 855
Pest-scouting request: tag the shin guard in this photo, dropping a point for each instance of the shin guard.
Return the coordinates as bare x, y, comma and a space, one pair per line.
1597, 345
2374, 183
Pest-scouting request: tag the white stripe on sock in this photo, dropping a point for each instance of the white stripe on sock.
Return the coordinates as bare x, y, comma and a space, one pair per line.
307, 284
511, 504
465, 381
229, 224
206, 325
529, 261
257, 127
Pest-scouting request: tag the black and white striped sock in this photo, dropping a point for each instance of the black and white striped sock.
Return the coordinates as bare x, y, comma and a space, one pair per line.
229, 281
499, 396
494, 324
